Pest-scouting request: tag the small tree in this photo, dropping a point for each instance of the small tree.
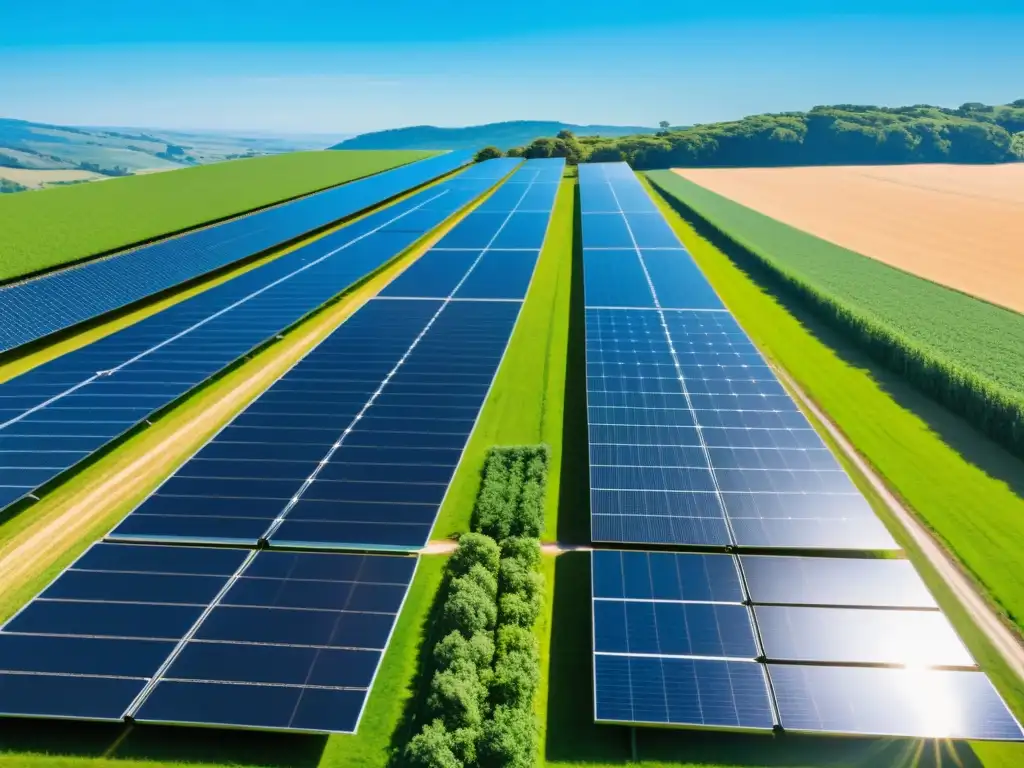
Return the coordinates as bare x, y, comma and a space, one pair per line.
431, 748
475, 548
469, 609
509, 739
664, 125
1017, 145
487, 153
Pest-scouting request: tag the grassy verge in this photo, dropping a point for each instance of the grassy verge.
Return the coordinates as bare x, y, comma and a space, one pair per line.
525, 402
66, 224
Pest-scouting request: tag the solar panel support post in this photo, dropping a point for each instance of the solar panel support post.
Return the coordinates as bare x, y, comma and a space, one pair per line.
632, 745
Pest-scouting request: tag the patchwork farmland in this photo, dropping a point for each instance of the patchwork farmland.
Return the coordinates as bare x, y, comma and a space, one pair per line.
501, 468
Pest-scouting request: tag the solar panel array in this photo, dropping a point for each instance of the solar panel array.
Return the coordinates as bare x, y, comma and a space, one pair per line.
855, 646
353, 448
57, 414
35, 308
693, 439
275, 640
694, 443
356, 445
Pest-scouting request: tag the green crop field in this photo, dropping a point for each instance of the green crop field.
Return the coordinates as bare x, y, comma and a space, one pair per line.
964, 352
57, 226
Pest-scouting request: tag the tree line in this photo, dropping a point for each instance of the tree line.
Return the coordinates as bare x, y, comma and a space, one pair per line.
844, 134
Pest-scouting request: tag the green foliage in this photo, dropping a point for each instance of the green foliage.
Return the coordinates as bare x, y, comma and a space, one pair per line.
457, 697
432, 747
511, 499
487, 153
509, 739
7, 187
518, 609
964, 353
514, 639
1017, 145
484, 579
522, 548
63, 224
514, 152
475, 548
455, 650
468, 608
840, 134
518, 576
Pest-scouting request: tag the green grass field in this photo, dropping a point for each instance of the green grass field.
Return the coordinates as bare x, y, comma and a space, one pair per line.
66, 224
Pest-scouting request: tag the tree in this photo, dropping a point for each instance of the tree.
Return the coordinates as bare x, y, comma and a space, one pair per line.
664, 125
475, 548
487, 153
469, 609
456, 697
431, 748
514, 152
1017, 145
509, 739
566, 135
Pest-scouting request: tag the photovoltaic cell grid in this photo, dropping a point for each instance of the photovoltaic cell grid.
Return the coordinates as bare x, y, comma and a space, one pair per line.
58, 413
357, 444
693, 439
860, 648
270, 640
35, 308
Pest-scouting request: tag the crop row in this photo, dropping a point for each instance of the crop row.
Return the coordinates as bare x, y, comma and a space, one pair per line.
959, 351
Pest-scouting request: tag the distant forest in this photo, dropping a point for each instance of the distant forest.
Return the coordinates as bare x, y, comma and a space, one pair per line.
844, 134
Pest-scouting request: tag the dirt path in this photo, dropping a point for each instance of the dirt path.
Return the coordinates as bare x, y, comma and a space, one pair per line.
983, 615
958, 225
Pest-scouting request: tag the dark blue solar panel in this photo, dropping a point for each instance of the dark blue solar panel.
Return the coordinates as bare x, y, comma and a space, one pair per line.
673, 629
433, 275
400, 383
898, 702
166, 355
678, 282
650, 230
615, 278
62, 299
604, 230
500, 275
315, 624
698, 693
665, 576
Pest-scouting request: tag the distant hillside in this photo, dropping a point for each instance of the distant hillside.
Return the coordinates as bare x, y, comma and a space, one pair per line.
844, 134
501, 135
37, 155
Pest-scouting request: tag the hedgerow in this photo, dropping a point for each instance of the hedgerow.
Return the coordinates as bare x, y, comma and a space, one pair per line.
487, 665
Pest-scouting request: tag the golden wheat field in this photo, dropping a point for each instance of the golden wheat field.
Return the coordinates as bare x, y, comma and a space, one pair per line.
958, 225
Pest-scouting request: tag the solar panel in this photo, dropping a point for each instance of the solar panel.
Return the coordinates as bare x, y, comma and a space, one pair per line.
898, 702
279, 640
372, 423
827, 581
693, 439
860, 636
33, 309
55, 415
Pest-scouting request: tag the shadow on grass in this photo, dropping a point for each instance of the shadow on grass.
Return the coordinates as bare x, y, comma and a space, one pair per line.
162, 744
574, 488
414, 715
572, 736
973, 446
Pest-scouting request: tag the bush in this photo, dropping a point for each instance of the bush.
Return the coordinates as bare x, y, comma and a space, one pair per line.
487, 153
455, 650
516, 577
518, 610
484, 579
431, 748
457, 697
509, 739
468, 609
523, 549
515, 639
511, 499
515, 680
475, 548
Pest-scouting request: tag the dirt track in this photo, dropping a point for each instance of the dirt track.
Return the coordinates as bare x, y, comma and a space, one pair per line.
958, 225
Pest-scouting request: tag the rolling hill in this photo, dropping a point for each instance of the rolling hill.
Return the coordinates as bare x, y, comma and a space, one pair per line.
501, 135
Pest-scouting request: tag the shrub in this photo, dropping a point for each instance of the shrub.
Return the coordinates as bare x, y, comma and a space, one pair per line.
515, 639
468, 609
475, 548
516, 577
509, 739
455, 650
431, 748
521, 548
518, 610
484, 579
457, 697
516, 677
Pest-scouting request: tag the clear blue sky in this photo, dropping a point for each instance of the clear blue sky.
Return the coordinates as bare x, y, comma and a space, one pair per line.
341, 66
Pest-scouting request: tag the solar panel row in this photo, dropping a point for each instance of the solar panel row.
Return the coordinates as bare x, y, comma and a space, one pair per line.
693, 439
59, 413
276, 640
35, 308
849, 646
356, 445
